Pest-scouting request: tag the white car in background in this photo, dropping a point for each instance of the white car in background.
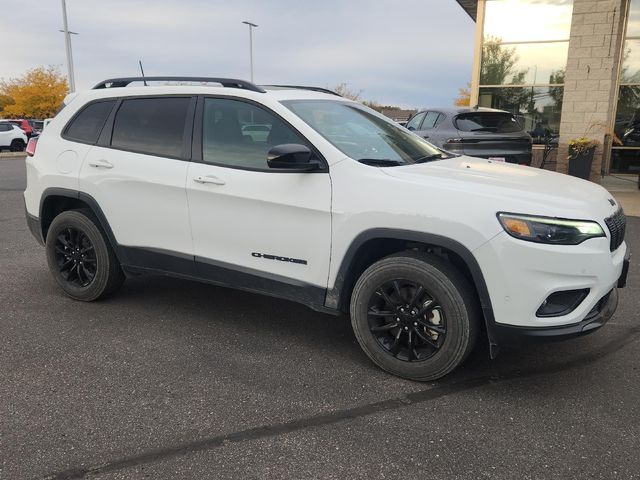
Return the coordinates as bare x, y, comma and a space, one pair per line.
12, 137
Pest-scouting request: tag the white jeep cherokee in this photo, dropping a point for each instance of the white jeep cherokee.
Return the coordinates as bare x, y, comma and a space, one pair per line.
301, 194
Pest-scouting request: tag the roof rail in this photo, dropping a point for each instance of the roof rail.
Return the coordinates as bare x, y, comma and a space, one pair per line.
301, 87
225, 82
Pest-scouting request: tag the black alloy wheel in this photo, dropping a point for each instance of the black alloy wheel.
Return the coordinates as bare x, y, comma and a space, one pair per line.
76, 257
406, 320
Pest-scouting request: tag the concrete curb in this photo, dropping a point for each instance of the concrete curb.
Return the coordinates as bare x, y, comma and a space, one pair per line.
12, 155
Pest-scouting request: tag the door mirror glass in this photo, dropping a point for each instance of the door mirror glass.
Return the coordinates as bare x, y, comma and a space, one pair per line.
291, 156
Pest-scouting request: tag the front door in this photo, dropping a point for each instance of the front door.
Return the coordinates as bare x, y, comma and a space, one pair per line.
262, 229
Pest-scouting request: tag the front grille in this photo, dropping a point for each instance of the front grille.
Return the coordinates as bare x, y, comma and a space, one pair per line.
617, 224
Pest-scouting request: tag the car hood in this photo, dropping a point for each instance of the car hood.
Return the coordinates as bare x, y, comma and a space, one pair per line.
512, 188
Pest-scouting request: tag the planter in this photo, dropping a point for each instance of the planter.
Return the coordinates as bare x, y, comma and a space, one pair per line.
580, 164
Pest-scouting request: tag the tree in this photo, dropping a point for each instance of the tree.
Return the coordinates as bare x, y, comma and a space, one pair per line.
464, 96
498, 64
346, 92
37, 94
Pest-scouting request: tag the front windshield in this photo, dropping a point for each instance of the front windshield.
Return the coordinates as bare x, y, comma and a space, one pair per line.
363, 134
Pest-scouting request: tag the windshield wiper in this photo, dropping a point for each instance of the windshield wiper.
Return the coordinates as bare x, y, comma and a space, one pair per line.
380, 162
429, 158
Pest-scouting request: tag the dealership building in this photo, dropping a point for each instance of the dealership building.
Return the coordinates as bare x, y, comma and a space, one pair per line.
567, 69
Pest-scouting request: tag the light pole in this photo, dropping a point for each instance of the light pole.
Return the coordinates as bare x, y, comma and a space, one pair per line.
251, 26
67, 41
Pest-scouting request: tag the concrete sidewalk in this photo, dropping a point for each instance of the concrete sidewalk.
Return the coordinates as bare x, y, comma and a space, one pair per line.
625, 190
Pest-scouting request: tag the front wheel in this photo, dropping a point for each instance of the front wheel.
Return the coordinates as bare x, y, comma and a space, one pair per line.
415, 315
81, 258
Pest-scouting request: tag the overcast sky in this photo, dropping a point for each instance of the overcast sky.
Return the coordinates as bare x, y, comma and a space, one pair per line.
411, 53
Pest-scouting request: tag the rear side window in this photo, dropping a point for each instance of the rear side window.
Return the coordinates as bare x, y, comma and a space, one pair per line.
487, 122
154, 126
87, 125
430, 120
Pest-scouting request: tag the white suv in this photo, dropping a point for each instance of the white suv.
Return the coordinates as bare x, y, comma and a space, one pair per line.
12, 137
332, 205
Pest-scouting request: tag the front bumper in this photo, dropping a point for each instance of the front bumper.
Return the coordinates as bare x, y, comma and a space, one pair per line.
508, 335
521, 275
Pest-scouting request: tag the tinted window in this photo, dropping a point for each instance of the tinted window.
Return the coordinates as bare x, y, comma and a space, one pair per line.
87, 125
239, 134
414, 123
151, 125
430, 120
487, 122
4, 127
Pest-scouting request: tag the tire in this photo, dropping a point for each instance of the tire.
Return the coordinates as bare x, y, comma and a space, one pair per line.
17, 145
80, 257
420, 340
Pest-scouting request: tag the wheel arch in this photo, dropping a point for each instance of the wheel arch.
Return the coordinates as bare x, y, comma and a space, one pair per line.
372, 245
57, 200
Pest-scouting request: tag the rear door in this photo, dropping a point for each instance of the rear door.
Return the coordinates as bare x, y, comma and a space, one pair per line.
428, 124
137, 175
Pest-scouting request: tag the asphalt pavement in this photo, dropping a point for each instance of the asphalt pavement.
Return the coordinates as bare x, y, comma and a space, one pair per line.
175, 379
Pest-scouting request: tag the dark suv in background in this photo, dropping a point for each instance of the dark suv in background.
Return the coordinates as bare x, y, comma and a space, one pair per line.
477, 132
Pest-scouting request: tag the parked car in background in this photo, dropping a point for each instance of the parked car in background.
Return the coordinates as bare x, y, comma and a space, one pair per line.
477, 132
12, 137
23, 124
37, 126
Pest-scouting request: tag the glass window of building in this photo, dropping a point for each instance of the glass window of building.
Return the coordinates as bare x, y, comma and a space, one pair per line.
523, 59
625, 155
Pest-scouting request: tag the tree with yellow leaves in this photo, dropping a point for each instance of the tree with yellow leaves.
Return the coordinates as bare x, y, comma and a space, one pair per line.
464, 97
37, 94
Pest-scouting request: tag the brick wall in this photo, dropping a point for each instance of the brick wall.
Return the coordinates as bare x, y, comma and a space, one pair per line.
588, 106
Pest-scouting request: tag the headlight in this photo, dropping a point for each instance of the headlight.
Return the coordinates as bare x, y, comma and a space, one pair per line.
556, 231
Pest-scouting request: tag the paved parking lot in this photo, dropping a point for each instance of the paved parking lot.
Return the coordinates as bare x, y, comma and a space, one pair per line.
174, 379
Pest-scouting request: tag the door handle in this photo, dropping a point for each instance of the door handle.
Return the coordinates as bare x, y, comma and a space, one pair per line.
209, 179
100, 164
425, 136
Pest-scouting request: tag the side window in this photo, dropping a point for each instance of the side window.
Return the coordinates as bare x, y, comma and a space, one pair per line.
4, 127
441, 117
414, 123
239, 134
87, 125
430, 120
154, 126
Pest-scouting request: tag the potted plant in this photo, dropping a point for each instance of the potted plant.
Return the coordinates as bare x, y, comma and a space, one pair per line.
580, 158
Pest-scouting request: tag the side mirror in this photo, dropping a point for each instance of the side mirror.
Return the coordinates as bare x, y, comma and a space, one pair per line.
411, 128
292, 157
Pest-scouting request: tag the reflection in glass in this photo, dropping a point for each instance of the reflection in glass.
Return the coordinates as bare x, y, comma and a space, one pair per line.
627, 127
630, 71
537, 108
528, 20
520, 64
633, 22
625, 160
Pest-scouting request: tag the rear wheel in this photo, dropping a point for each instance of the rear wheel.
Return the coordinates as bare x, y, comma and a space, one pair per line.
81, 258
17, 145
415, 315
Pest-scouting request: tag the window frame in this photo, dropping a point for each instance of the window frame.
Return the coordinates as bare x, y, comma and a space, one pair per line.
424, 115
436, 122
73, 118
197, 138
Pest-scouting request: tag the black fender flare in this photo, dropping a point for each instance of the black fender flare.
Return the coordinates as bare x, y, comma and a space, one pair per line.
336, 296
93, 206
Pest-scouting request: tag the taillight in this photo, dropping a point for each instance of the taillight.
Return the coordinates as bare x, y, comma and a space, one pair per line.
31, 146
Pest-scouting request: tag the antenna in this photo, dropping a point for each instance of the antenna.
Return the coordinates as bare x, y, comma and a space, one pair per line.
142, 71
